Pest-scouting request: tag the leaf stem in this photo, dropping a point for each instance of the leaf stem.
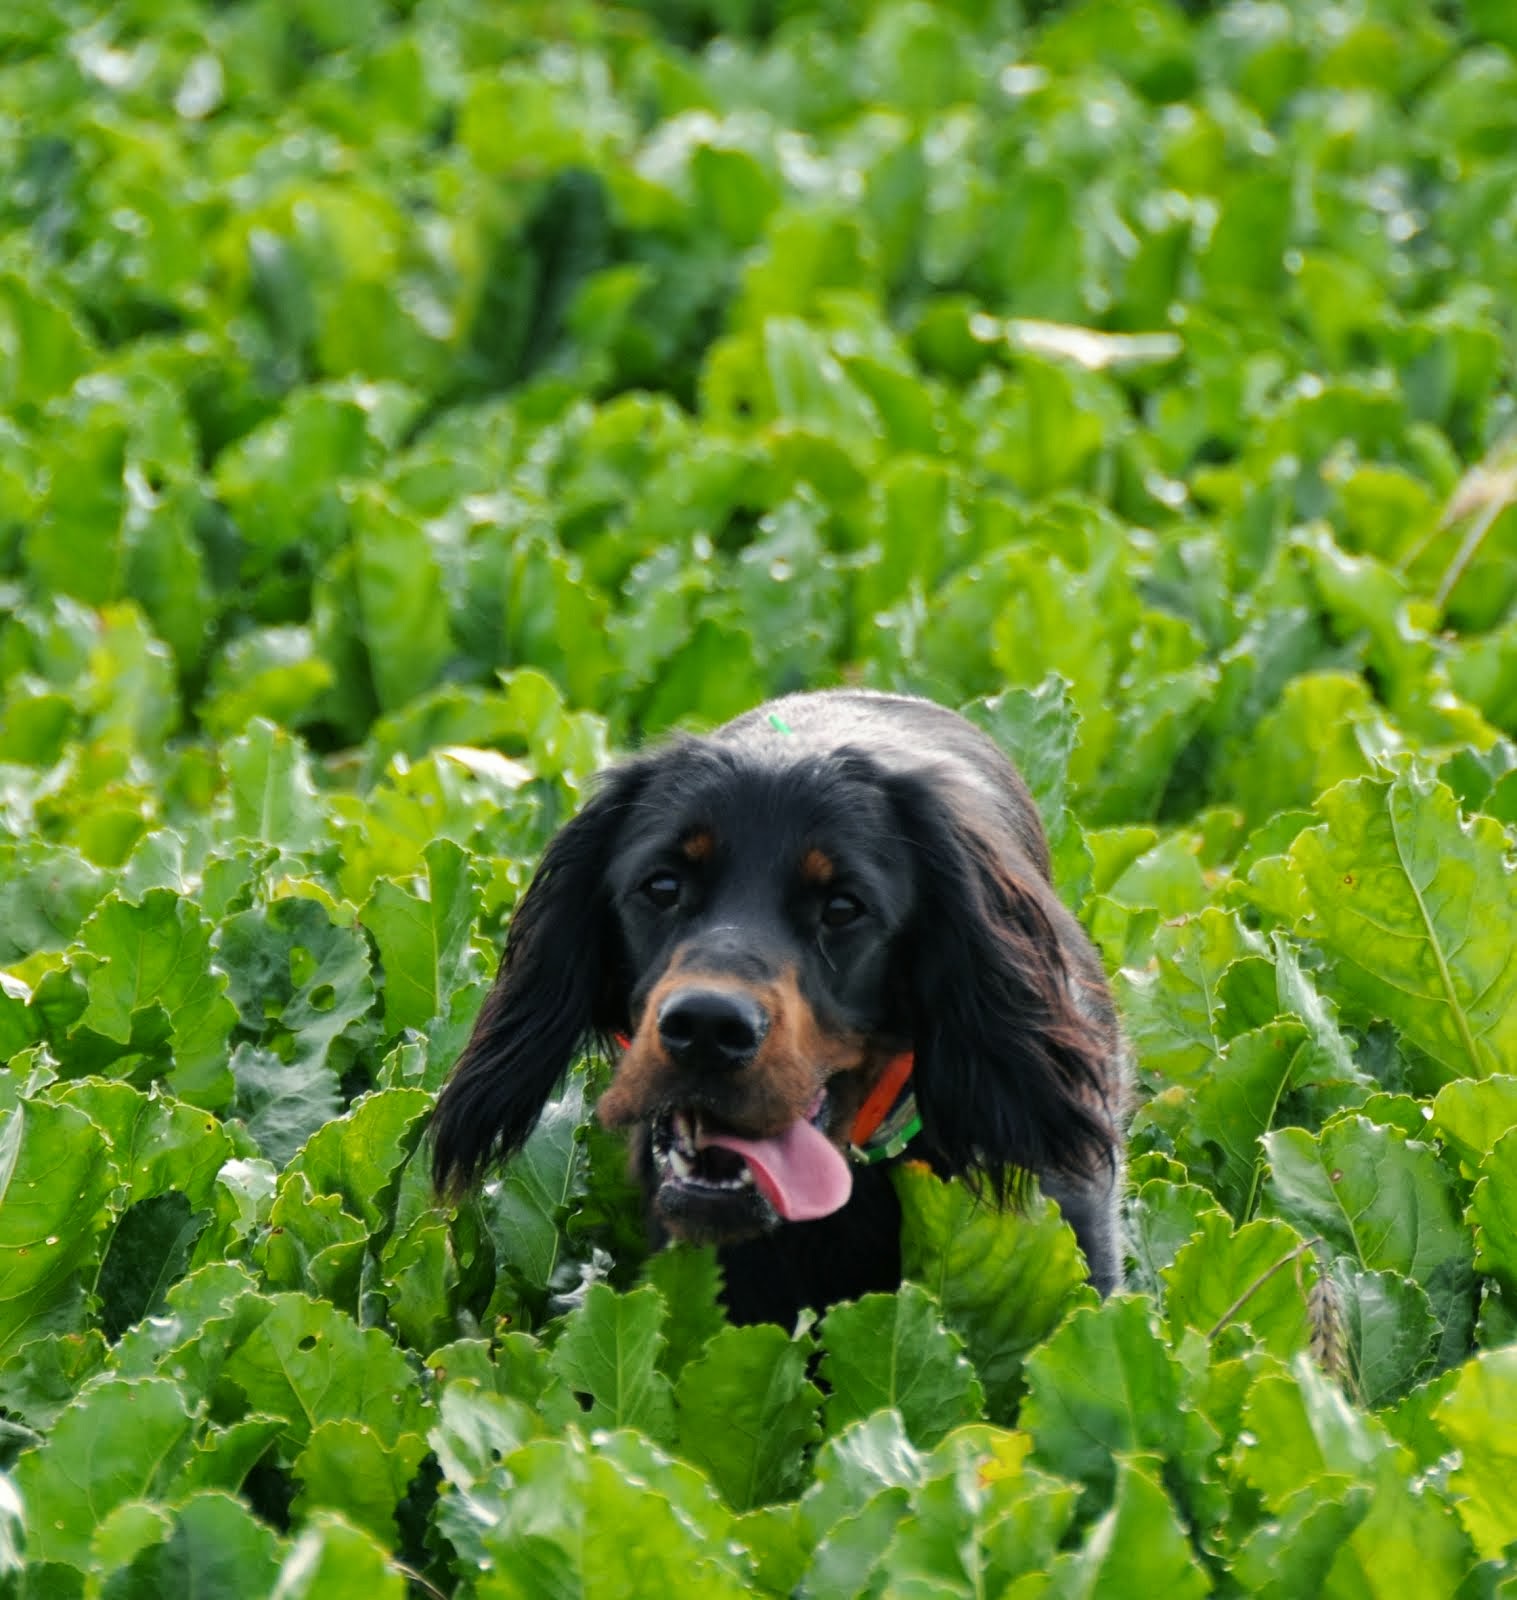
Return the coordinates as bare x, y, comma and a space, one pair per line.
1461, 1021
411, 1575
1259, 1282
1468, 547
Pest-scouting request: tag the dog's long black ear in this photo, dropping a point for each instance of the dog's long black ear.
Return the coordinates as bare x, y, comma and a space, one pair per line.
558, 982
1017, 1049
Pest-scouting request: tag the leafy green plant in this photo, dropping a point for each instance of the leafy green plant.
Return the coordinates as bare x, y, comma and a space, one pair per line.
403, 407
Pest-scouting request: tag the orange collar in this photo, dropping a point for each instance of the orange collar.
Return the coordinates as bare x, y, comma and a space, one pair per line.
882, 1098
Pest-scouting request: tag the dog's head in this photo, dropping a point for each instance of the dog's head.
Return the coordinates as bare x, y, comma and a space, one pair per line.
763, 938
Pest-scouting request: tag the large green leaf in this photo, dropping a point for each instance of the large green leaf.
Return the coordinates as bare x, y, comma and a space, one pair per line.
608, 1353
346, 1467
157, 956
1003, 1280
893, 1350
475, 1429
1313, 1433
121, 1440
1486, 1479
526, 1211
420, 1274
301, 981
690, 1281
212, 1545
358, 1156
1254, 1275
425, 939
400, 598
271, 790
56, 1174
46, 892
980, 1519
1310, 1430
283, 1103
308, 1363
747, 1413
271, 674
332, 1560
312, 1243
1391, 1332
159, 1145
1294, 1553
1384, 1201
557, 1520
1138, 1547
1418, 909
1104, 1385
1238, 1103
1493, 1211
855, 1466
1472, 1116
1369, 1192
1175, 1009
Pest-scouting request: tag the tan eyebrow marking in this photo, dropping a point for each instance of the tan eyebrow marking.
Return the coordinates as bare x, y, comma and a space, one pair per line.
817, 867
698, 845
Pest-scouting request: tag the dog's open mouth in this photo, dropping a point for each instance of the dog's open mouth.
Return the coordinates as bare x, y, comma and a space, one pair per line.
705, 1169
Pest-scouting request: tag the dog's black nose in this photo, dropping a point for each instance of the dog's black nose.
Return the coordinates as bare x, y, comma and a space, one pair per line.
720, 1028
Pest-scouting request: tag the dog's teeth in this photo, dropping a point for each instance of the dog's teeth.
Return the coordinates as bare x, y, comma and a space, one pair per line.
684, 1131
680, 1163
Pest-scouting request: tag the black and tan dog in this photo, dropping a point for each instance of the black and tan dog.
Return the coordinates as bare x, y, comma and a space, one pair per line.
820, 938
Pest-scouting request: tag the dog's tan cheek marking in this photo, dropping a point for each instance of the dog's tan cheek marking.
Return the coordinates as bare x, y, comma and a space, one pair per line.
797, 1056
632, 1088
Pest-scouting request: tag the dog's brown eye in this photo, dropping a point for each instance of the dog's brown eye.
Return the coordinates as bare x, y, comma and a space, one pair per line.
840, 910
662, 889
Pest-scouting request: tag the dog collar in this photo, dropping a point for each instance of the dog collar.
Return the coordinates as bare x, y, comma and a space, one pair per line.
888, 1119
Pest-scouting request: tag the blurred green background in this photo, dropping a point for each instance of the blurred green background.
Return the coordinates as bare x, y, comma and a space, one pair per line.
681, 352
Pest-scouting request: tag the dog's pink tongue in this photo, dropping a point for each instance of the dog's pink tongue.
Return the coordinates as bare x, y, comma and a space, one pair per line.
802, 1174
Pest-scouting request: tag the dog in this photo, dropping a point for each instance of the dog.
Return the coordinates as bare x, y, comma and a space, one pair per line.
821, 939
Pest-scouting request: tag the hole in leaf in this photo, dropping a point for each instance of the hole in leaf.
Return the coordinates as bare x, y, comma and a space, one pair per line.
308, 1343
323, 997
302, 966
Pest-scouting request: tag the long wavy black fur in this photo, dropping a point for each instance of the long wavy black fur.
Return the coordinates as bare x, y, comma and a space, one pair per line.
558, 983
1013, 1074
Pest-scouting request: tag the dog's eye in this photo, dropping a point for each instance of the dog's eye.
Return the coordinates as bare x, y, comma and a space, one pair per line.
662, 889
840, 910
